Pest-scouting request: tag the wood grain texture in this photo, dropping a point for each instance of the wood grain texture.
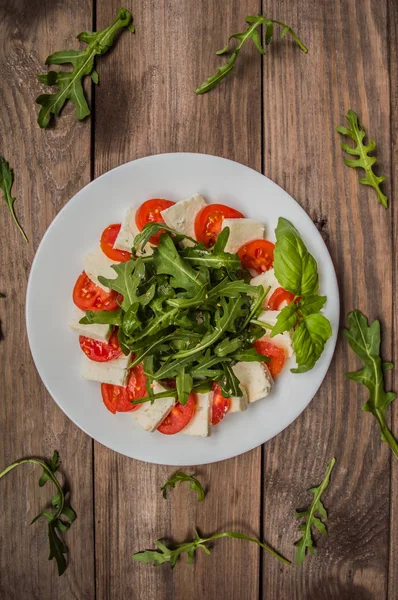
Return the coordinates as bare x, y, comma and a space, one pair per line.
50, 166
156, 110
305, 98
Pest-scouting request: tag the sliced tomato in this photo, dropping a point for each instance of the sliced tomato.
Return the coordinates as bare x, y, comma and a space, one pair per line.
179, 417
220, 405
257, 255
279, 296
209, 220
108, 238
88, 296
276, 354
149, 212
118, 399
101, 351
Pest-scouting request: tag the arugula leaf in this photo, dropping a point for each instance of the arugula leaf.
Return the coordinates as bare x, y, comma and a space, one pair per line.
250, 33
6, 183
180, 477
70, 82
165, 554
150, 229
364, 340
229, 383
104, 317
130, 275
168, 261
357, 132
309, 340
295, 268
216, 260
221, 240
184, 384
202, 387
61, 518
306, 542
250, 355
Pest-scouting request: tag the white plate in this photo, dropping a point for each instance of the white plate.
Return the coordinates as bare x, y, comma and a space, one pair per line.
59, 261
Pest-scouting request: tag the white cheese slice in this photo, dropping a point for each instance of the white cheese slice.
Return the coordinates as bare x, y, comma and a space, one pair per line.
242, 231
149, 416
267, 280
239, 403
111, 371
283, 340
199, 424
127, 233
181, 216
95, 264
95, 331
255, 378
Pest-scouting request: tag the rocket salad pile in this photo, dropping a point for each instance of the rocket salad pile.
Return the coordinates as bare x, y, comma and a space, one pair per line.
190, 313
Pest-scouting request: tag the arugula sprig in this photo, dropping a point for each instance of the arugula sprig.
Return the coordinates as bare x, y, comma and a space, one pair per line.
60, 517
6, 183
70, 83
357, 132
296, 271
251, 33
365, 340
306, 542
167, 555
180, 477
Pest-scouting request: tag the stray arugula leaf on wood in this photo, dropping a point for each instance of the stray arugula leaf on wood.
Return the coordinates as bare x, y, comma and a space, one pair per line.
168, 555
60, 517
365, 340
180, 477
6, 182
251, 33
70, 83
296, 271
306, 542
357, 132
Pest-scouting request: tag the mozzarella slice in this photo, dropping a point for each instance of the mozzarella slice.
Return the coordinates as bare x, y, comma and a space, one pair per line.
111, 371
239, 403
255, 378
242, 231
127, 233
181, 216
149, 416
95, 264
95, 331
199, 424
283, 340
267, 280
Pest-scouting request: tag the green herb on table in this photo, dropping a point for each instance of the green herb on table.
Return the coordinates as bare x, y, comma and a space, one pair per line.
60, 516
180, 477
316, 507
296, 271
253, 34
168, 555
357, 132
365, 340
6, 182
70, 83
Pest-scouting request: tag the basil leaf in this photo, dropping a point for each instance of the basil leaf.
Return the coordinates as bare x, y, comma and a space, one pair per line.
311, 304
309, 340
295, 268
285, 320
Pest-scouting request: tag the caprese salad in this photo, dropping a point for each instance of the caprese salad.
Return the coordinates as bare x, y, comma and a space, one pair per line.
186, 313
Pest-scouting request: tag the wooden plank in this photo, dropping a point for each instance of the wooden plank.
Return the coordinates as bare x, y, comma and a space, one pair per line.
146, 104
305, 97
50, 166
393, 47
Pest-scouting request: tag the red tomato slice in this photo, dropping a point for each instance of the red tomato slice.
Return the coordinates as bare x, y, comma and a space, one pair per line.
179, 417
149, 212
279, 295
220, 405
108, 238
209, 220
101, 351
118, 399
275, 353
88, 296
257, 255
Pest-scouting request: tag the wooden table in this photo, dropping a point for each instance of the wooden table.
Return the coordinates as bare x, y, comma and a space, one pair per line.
278, 115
